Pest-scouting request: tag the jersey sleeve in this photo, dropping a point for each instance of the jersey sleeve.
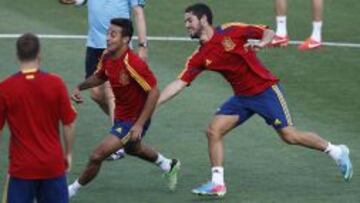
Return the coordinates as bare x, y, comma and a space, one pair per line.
2, 112
140, 72
134, 3
193, 67
100, 69
67, 110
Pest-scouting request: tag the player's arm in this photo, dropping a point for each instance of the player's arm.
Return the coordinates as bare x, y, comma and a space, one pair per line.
90, 82
171, 90
140, 23
68, 133
149, 107
266, 38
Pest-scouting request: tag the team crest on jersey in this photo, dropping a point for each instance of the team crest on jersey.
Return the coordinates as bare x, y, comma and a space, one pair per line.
228, 44
124, 78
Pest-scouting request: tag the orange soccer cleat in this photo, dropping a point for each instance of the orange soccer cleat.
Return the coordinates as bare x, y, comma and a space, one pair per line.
280, 41
309, 44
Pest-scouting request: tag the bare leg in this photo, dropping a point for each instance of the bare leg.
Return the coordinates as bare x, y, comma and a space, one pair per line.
109, 145
219, 126
141, 150
307, 139
280, 7
317, 10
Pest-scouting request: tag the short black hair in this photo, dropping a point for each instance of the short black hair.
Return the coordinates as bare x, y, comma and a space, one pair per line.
199, 10
127, 29
27, 47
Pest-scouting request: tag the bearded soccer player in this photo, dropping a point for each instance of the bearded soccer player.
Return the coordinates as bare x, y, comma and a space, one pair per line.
225, 50
136, 93
33, 103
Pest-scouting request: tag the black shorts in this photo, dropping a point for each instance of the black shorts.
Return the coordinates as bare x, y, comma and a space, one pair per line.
91, 60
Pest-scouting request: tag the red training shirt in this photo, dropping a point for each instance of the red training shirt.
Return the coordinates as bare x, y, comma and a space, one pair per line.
33, 103
225, 54
130, 79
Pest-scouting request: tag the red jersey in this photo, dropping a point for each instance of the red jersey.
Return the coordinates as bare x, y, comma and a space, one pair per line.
33, 103
225, 54
130, 79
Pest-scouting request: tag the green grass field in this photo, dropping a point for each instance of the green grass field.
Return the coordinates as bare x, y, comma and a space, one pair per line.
322, 89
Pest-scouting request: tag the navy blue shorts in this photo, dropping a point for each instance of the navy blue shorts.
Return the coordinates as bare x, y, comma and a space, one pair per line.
52, 190
92, 59
121, 129
270, 105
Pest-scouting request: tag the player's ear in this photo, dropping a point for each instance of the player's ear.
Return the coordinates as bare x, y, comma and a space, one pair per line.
126, 40
204, 20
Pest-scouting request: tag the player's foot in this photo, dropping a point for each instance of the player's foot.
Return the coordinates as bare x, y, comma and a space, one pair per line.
116, 155
72, 191
210, 189
344, 163
173, 174
309, 44
280, 41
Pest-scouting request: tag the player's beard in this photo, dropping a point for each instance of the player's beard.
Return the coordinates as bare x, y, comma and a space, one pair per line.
196, 34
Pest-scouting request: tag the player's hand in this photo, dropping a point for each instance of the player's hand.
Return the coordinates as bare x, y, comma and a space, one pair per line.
142, 52
135, 133
76, 97
253, 46
67, 2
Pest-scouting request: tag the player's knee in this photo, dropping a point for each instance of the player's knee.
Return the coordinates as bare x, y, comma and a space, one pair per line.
132, 149
96, 158
212, 133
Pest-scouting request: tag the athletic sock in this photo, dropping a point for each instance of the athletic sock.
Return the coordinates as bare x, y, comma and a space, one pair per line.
281, 30
217, 175
163, 163
316, 32
333, 151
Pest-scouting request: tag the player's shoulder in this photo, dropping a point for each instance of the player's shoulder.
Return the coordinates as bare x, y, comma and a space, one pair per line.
132, 59
9, 79
53, 77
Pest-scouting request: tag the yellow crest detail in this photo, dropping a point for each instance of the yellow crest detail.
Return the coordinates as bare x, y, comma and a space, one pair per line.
118, 130
277, 122
208, 62
228, 44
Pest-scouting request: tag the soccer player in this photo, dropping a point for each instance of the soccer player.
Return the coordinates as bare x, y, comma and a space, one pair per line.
225, 49
282, 39
99, 15
136, 93
34, 103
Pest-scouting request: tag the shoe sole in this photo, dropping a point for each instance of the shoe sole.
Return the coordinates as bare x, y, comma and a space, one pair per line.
177, 169
216, 194
350, 173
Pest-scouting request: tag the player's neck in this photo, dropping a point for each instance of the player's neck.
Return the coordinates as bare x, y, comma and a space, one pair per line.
119, 52
29, 65
206, 34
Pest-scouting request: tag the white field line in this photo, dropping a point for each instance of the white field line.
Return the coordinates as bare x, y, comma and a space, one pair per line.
162, 38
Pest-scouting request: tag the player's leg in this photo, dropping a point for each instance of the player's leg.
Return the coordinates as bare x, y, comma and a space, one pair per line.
21, 190
217, 129
53, 190
314, 41
281, 37
231, 114
271, 105
339, 153
170, 167
109, 145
